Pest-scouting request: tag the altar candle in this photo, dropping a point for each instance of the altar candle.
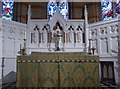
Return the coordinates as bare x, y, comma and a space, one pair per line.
25, 35
20, 46
92, 43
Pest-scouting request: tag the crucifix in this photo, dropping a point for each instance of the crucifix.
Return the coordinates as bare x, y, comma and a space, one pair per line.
58, 38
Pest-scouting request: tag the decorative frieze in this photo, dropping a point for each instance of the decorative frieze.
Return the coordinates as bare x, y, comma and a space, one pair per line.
54, 61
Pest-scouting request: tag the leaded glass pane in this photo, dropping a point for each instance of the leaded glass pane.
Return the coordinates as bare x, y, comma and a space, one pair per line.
7, 9
117, 7
52, 7
63, 5
107, 12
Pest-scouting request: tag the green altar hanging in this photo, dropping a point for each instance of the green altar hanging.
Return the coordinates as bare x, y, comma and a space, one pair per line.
53, 70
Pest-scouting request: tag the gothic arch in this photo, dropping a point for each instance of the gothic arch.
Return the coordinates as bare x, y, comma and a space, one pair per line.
57, 24
79, 28
70, 26
53, 22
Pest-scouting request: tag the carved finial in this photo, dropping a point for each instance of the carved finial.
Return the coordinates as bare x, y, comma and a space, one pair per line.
29, 13
86, 14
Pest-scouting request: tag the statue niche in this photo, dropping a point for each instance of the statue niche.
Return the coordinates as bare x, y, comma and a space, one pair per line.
44, 34
57, 36
71, 35
79, 34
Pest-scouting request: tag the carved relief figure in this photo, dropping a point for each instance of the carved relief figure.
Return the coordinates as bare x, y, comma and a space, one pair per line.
79, 34
33, 37
57, 36
44, 34
57, 41
71, 35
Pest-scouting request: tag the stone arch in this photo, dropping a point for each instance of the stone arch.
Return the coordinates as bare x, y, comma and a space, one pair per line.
44, 34
57, 24
79, 28
55, 19
73, 26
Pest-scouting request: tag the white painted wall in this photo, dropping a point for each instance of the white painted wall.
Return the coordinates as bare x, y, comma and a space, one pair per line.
12, 37
105, 36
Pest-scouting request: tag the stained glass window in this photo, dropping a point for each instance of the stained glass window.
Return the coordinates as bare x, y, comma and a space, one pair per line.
107, 12
52, 7
7, 9
118, 7
63, 5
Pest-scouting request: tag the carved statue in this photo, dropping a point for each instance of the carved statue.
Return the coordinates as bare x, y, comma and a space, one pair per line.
33, 38
79, 35
57, 41
44, 35
58, 38
70, 35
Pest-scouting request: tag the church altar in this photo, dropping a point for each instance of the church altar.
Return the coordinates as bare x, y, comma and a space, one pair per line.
57, 69
56, 56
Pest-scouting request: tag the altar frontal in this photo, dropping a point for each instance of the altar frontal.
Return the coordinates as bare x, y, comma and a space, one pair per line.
53, 70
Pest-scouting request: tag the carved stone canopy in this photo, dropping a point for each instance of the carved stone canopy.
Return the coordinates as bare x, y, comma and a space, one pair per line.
71, 28
44, 28
57, 24
79, 28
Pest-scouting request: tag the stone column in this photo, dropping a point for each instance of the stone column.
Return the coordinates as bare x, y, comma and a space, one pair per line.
86, 29
0, 52
28, 33
119, 52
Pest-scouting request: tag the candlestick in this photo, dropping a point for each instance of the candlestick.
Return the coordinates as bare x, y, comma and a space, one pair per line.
93, 50
25, 35
92, 43
20, 48
89, 49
